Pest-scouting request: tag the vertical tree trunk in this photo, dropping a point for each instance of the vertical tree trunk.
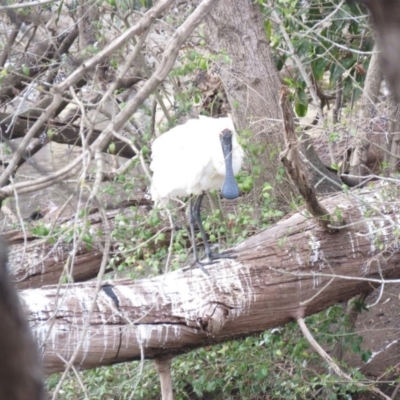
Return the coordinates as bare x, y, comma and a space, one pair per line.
359, 156
251, 81
372, 85
20, 371
386, 17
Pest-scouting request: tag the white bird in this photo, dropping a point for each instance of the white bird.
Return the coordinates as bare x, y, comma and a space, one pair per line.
202, 154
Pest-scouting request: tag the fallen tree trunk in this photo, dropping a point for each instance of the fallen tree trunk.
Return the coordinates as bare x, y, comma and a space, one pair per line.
289, 271
37, 261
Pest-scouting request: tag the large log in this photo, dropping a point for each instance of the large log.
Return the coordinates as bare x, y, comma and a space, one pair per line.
291, 270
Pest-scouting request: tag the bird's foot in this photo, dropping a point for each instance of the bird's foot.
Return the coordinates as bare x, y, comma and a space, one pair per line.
212, 258
201, 265
225, 254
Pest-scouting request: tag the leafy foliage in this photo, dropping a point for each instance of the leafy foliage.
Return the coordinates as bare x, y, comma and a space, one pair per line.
332, 41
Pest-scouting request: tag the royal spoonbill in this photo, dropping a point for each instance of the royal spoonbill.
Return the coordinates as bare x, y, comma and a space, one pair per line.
202, 154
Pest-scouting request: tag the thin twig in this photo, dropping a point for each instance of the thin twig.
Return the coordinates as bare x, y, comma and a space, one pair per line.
308, 335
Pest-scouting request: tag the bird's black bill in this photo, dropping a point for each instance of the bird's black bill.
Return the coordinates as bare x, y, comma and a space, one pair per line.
230, 189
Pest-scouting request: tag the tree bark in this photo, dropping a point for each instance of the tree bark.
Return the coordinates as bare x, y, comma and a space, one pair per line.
372, 86
251, 81
386, 17
287, 272
20, 371
361, 151
163, 366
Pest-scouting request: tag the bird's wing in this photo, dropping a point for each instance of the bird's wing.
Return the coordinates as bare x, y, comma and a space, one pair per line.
180, 159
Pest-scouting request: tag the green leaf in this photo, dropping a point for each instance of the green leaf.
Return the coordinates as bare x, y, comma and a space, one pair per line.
203, 64
319, 67
301, 109
111, 148
335, 167
26, 71
145, 150
268, 29
366, 355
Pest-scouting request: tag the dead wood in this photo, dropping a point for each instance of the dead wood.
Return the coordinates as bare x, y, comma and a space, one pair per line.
39, 55
287, 272
62, 133
332, 363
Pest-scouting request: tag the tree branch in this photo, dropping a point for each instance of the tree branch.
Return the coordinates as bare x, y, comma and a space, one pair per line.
290, 158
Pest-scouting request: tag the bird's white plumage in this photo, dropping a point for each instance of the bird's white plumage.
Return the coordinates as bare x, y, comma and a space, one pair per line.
188, 159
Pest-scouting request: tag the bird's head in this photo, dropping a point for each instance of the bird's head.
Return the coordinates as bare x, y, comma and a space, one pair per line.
226, 134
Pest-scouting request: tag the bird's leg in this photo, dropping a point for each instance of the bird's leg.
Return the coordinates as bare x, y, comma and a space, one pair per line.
194, 209
197, 217
191, 223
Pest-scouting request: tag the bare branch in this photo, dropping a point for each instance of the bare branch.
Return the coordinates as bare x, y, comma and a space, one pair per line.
26, 5
135, 30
